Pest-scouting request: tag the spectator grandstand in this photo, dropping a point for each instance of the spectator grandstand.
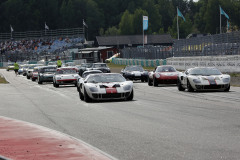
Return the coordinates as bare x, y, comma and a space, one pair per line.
37, 48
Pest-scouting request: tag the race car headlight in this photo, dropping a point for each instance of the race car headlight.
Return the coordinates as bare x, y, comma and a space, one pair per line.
157, 75
196, 81
226, 80
93, 89
58, 78
127, 87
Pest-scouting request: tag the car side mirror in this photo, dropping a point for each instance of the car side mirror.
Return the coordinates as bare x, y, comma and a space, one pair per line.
181, 77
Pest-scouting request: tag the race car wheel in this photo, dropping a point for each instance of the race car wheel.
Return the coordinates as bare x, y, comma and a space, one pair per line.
179, 84
33, 79
142, 80
81, 95
155, 83
28, 77
227, 89
39, 81
86, 96
130, 97
189, 87
150, 82
57, 85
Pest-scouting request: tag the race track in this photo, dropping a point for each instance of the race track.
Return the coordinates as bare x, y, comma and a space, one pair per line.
160, 123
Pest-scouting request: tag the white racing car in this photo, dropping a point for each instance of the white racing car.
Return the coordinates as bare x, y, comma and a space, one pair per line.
105, 86
207, 78
65, 75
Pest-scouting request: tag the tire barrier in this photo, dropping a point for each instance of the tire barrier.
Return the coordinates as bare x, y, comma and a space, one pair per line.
142, 62
229, 64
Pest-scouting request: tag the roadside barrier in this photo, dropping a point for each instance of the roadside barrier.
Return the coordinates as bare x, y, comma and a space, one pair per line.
142, 62
230, 64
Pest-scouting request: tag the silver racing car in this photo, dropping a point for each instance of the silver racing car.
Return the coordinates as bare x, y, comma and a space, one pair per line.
203, 78
105, 86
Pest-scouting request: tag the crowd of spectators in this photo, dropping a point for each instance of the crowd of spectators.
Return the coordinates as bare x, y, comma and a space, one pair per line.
37, 45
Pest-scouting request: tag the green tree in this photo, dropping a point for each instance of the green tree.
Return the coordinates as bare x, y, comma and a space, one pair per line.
126, 24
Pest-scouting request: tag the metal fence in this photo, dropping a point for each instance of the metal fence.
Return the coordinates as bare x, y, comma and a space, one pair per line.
211, 45
41, 34
148, 52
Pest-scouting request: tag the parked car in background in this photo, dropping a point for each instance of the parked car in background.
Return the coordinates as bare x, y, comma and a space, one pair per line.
20, 71
52, 63
163, 75
35, 73
45, 74
30, 69
85, 74
65, 76
100, 66
70, 64
25, 67
10, 66
203, 78
105, 86
135, 73
84, 67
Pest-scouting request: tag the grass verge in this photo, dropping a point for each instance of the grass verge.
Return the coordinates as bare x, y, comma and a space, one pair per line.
3, 80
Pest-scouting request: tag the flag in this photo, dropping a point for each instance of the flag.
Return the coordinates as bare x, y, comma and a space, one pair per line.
145, 22
85, 24
180, 14
46, 27
228, 25
11, 28
223, 13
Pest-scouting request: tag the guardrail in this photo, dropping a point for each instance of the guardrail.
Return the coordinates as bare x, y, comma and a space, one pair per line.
230, 64
142, 62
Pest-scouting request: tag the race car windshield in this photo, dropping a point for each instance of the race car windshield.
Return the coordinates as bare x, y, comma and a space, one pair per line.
87, 65
166, 69
67, 71
205, 71
51, 70
88, 73
130, 69
106, 78
99, 65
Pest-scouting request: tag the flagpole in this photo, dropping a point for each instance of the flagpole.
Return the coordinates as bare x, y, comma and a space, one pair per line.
143, 37
220, 20
177, 24
84, 29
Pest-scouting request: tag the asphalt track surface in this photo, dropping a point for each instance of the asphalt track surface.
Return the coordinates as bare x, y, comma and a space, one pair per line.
160, 123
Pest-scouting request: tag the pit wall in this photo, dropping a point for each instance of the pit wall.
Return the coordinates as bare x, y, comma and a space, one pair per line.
142, 62
230, 64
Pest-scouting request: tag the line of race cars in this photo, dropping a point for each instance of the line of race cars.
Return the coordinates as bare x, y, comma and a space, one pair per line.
94, 81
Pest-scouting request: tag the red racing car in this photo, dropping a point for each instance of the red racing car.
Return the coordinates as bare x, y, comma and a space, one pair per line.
163, 75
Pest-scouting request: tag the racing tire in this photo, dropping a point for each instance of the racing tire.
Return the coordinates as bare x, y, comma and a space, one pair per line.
33, 79
155, 83
81, 95
39, 82
130, 97
227, 89
78, 89
179, 85
150, 82
86, 97
142, 80
189, 87
28, 77
56, 85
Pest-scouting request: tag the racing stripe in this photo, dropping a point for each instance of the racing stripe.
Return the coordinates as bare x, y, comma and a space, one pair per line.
212, 81
110, 90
